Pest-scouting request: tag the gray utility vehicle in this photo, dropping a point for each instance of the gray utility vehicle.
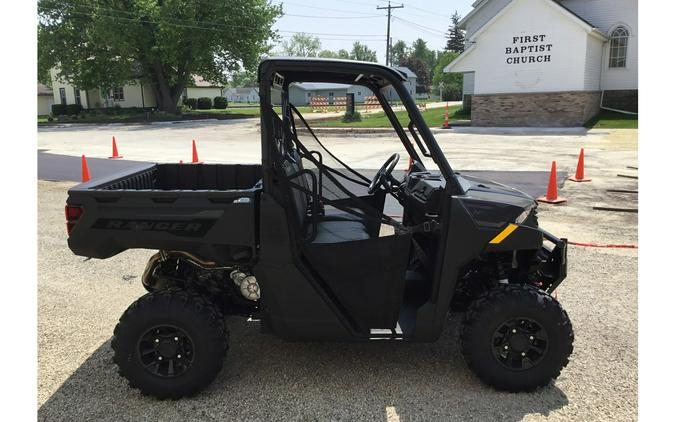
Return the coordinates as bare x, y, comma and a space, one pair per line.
302, 244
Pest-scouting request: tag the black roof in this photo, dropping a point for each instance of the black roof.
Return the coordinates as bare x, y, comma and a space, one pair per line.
575, 14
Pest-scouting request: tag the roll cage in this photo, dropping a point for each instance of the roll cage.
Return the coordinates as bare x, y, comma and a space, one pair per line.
279, 73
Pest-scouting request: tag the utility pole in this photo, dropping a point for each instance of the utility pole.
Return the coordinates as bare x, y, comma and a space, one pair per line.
388, 7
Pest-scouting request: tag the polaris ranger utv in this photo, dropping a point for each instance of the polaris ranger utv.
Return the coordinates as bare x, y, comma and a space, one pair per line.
302, 244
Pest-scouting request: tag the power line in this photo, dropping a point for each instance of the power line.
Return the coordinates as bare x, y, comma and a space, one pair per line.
431, 12
334, 17
417, 26
185, 23
388, 7
314, 7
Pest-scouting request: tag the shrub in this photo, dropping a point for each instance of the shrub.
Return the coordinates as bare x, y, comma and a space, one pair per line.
58, 109
204, 103
191, 103
220, 103
351, 117
73, 109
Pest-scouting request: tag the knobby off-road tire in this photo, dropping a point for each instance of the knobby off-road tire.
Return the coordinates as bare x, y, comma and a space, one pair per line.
516, 338
182, 332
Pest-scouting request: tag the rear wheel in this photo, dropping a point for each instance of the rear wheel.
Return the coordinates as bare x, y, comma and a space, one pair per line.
170, 343
516, 338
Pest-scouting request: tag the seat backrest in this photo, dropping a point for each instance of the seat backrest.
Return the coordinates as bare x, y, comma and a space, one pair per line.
292, 164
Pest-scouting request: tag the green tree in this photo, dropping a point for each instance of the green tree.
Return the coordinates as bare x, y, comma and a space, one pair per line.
162, 43
244, 78
340, 54
362, 52
301, 45
421, 60
343, 54
399, 52
451, 82
420, 50
455, 35
328, 54
421, 69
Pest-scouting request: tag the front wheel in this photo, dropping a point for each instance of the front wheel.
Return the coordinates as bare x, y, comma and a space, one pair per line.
170, 343
516, 338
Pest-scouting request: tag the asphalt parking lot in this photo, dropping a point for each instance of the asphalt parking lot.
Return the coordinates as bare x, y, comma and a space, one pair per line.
265, 378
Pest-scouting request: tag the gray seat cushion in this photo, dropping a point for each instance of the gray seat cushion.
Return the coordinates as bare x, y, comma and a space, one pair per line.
340, 231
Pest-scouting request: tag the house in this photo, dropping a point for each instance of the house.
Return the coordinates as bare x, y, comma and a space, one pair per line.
410, 84
242, 95
45, 99
302, 93
135, 94
203, 88
548, 63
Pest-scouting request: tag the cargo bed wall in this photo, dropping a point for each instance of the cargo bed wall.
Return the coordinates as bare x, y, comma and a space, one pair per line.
207, 210
189, 177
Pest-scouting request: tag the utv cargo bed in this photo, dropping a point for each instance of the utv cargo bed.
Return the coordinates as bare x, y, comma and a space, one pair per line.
206, 209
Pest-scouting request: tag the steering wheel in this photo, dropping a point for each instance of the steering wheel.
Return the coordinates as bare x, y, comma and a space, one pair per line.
384, 174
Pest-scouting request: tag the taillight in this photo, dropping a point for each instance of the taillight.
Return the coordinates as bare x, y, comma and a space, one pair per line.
73, 214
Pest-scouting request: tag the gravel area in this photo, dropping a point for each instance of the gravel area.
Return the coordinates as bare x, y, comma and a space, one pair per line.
265, 378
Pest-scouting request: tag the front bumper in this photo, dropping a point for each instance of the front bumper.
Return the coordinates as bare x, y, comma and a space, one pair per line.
553, 262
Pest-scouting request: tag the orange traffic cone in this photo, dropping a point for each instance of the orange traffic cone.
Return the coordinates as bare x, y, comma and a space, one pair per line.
552, 191
579, 175
195, 157
445, 121
115, 154
85, 170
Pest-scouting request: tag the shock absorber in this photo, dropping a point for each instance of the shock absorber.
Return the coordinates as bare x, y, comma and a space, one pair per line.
502, 271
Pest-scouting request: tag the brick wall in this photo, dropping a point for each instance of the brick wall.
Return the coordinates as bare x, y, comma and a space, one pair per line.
556, 109
625, 99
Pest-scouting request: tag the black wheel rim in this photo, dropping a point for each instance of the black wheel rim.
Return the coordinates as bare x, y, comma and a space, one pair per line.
166, 351
519, 344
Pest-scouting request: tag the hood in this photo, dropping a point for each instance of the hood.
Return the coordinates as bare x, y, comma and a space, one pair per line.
477, 184
492, 204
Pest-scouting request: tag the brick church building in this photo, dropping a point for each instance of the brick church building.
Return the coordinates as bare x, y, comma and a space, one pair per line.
547, 62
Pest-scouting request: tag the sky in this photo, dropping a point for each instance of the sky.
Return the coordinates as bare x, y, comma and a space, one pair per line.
338, 23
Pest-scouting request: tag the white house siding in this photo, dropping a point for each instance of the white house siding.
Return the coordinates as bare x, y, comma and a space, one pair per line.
606, 15
298, 96
134, 96
594, 51
560, 66
467, 83
242, 95
360, 92
57, 84
44, 104
210, 92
